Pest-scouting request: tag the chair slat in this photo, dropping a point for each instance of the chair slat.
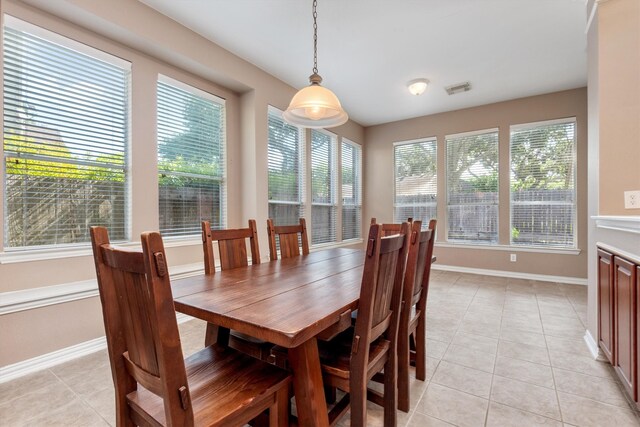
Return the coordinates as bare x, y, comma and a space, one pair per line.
289, 238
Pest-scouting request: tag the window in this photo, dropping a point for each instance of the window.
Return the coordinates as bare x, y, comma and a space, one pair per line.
191, 142
286, 174
472, 187
543, 192
323, 187
65, 137
351, 190
416, 181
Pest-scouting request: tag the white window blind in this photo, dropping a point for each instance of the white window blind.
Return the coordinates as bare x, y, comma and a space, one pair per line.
472, 187
323, 187
416, 182
543, 191
65, 136
191, 148
351, 190
286, 173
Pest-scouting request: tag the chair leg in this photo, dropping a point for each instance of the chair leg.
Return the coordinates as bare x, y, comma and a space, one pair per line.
330, 394
358, 399
421, 349
279, 412
390, 392
403, 372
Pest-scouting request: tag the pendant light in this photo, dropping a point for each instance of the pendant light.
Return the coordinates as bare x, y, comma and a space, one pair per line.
315, 106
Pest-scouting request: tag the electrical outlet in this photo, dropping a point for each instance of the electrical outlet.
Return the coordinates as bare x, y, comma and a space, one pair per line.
632, 199
513, 258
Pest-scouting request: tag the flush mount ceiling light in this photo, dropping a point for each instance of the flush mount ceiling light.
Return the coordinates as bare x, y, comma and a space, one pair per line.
315, 106
418, 86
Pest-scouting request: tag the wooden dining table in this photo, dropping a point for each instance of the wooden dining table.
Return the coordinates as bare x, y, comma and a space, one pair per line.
288, 302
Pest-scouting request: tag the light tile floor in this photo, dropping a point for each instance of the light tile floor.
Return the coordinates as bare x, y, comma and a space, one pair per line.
501, 352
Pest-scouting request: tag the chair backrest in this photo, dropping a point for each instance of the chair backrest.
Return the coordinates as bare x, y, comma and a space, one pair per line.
380, 292
232, 246
423, 270
140, 324
288, 238
389, 229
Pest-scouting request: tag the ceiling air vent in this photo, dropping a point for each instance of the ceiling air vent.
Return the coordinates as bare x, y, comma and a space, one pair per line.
457, 88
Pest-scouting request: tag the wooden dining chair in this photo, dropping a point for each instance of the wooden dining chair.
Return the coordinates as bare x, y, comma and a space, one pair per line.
287, 236
154, 384
232, 247
353, 357
413, 315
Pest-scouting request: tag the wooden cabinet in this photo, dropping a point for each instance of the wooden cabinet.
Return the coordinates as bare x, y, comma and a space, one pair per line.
619, 316
625, 321
605, 304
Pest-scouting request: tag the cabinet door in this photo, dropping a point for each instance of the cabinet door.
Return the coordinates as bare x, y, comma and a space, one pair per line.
637, 398
625, 324
605, 304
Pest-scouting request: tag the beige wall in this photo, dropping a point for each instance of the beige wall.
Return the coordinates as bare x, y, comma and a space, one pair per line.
153, 44
619, 99
614, 133
378, 194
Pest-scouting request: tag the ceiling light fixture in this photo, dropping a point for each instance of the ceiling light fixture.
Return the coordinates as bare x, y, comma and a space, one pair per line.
315, 106
418, 86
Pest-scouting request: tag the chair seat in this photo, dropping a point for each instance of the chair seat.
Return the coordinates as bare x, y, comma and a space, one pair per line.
335, 355
222, 382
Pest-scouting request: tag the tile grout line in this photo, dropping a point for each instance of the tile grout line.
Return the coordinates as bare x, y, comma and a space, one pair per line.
553, 375
82, 399
495, 361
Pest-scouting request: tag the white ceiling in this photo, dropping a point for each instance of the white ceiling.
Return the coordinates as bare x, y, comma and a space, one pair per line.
369, 49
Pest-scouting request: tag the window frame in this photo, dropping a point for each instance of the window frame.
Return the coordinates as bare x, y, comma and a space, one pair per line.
302, 169
446, 186
574, 154
358, 176
428, 139
223, 179
9, 254
336, 204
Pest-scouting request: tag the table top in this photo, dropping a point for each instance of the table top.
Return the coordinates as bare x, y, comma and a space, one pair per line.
285, 302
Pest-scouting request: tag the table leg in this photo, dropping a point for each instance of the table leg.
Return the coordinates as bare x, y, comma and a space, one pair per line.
307, 384
216, 334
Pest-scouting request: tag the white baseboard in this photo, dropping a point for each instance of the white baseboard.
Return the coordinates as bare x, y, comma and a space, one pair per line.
29, 366
512, 274
10, 372
592, 345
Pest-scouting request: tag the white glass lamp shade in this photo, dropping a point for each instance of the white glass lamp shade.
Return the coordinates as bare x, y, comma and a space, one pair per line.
418, 86
315, 107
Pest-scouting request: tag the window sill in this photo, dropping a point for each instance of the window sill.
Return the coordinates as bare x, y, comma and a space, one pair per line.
43, 254
342, 244
509, 248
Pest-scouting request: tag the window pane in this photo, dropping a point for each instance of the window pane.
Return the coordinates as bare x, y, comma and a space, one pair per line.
191, 141
351, 190
285, 152
472, 187
323, 178
65, 133
416, 182
543, 195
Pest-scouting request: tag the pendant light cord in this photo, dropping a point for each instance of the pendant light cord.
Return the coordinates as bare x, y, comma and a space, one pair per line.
315, 37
